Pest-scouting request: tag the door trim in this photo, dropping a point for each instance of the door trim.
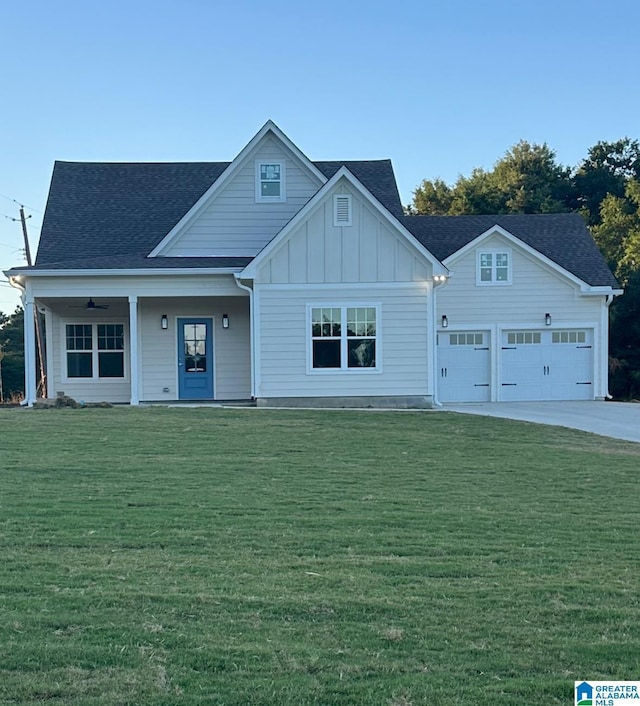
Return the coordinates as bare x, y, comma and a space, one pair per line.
210, 348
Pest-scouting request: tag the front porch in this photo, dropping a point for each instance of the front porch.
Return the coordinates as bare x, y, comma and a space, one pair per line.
135, 349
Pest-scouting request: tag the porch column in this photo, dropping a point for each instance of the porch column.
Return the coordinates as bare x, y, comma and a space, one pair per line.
133, 349
30, 391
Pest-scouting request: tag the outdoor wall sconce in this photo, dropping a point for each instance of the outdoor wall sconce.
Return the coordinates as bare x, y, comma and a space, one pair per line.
164, 322
547, 319
445, 321
225, 321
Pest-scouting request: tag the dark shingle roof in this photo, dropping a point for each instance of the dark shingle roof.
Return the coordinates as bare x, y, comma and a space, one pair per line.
376, 175
110, 210
111, 215
562, 237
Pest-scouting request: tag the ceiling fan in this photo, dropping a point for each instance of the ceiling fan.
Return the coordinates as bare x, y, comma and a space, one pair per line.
90, 305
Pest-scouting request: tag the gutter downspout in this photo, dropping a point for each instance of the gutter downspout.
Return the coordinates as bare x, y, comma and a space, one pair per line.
252, 326
608, 301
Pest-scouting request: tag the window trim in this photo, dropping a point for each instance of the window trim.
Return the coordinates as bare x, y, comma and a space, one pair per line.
283, 191
494, 252
95, 378
344, 368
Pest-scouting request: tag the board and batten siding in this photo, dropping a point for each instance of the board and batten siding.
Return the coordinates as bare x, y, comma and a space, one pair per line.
159, 348
370, 250
285, 340
535, 290
233, 224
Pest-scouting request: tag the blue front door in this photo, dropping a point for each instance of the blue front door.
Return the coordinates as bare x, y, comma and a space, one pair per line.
195, 359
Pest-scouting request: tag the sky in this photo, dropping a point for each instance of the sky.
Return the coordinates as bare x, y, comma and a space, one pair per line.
439, 88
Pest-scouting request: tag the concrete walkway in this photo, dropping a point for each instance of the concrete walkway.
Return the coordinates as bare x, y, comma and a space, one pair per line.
620, 420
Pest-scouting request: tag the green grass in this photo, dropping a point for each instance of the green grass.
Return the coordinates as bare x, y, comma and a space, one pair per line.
241, 557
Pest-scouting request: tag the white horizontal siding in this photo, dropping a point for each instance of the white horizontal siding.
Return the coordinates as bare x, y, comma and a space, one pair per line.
233, 224
82, 390
158, 348
535, 290
140, 285
284, 343
367, 251
231, 353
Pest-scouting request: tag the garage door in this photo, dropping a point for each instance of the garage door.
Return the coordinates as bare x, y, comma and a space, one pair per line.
464, 373
547, 365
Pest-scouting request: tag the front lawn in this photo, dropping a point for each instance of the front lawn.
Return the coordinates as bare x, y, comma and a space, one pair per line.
268, 557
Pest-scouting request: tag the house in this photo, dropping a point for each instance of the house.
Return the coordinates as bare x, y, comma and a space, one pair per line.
296, 282
584, 694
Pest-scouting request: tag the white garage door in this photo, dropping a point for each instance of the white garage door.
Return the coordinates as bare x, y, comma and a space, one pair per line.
547, 365
464, 373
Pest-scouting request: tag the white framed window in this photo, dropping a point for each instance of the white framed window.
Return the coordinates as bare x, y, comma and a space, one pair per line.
494, 267
270, 181
569, 337
95, 351
465, 339
344, 338
342, 210
526, 338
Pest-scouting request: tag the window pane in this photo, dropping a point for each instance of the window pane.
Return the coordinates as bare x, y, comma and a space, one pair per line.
502, 259
79, 365
79, 337
485, 274
325, 322
362, 353
486, 260
111, 365
502, 274
326, 354
110, 337
270, 172
270, 188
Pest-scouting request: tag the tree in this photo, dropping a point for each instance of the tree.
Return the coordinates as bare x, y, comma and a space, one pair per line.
618, 233
12, 352
526, 180
605, 188
606, 171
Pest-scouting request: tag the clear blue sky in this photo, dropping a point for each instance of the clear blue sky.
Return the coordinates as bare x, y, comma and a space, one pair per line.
439, 88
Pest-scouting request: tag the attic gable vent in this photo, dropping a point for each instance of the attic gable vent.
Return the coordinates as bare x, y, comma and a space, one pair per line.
342, 210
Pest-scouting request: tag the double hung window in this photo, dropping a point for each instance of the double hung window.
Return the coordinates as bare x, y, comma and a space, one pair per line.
494, 267
95, 350
270, 181
344, 337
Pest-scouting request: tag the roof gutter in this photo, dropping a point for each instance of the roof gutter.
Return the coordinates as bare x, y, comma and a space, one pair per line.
125, 272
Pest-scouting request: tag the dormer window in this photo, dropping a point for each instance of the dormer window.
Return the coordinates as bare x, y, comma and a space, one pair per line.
270, 185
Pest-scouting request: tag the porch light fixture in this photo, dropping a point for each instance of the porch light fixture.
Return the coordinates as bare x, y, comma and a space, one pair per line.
164, 322
225, 321
547, 319
445, 321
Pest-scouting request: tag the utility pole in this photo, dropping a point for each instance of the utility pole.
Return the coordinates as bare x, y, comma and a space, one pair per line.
27, 252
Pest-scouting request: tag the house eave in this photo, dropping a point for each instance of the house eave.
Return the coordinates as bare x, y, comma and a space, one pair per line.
26, 273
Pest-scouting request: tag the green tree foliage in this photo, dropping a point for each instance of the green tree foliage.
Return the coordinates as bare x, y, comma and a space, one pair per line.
604, 187
618, 232
12, 352
605, 172
526, 180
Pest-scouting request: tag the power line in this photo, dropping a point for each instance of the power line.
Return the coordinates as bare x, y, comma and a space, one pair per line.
20, 204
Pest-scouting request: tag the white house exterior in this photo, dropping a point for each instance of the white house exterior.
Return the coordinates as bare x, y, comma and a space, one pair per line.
289, 282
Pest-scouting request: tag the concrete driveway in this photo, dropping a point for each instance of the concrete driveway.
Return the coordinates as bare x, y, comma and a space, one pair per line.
620, 420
